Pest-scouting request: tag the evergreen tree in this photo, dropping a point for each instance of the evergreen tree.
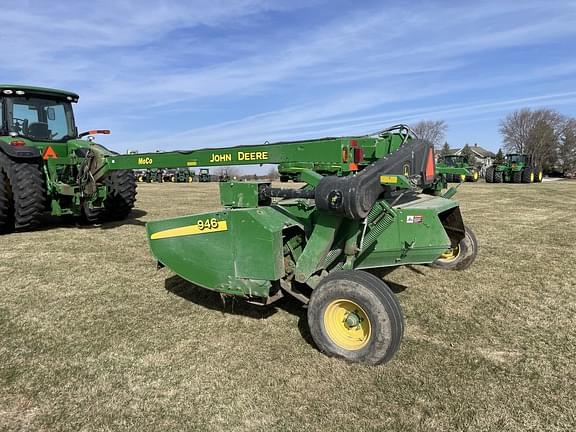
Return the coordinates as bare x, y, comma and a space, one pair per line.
445, 151
467, 153
499, 157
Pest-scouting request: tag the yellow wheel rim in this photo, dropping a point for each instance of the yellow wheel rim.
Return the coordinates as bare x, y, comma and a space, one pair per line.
462, 177
531, 177
347, 324
540, 176
475, 175
450, 254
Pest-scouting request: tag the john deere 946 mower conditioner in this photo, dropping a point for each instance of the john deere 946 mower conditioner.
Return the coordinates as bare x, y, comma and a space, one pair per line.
383, 207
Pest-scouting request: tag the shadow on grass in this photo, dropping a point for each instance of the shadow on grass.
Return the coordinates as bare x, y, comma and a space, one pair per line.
215, 301
53, 222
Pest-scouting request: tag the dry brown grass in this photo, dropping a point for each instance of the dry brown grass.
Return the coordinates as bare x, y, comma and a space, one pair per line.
92, 337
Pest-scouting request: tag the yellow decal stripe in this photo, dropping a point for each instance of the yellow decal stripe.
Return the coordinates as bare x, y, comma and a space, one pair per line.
188, 230
388, 179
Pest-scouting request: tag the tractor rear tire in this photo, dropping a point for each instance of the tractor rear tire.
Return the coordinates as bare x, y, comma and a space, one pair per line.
498, 177
516, 176
6, 203
527, 175
462, 256
489, 176
450, 178
121, 194
354, 315
24, 182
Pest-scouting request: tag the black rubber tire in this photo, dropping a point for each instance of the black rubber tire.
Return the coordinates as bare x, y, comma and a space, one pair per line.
450, 178
6, 202
377, 301
474, 177
26, 183
92, 215
498, 177
526, 174
467, 253
516, 176
538, 175
489, 176
121, 194
284, 178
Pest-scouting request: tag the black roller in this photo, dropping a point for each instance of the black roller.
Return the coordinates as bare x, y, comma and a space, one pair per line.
354, 196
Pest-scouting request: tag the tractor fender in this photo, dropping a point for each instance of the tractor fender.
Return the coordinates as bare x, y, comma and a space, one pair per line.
22, 152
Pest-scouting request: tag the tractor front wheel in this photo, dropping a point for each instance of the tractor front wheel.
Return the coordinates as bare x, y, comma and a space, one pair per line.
354, 315
527, 175
460, 257
516, 176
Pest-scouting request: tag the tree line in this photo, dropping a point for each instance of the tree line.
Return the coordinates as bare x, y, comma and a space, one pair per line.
546, 135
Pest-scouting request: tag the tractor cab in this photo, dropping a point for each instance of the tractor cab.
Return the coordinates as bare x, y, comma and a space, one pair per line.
517, 159
455, 160
37, 114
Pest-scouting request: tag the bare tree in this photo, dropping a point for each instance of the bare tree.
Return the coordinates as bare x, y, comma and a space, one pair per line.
533, 132
567, 148
232, 171
273, 174
431, 130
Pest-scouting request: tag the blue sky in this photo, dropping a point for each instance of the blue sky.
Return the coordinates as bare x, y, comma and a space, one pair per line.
189, 74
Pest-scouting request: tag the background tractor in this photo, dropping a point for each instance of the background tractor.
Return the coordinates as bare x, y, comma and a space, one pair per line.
320, 244
517, 168
447, 163
204, 176
44, 163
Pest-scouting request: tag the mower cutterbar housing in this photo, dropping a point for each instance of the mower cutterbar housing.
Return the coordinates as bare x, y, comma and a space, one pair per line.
258, 244
250, 248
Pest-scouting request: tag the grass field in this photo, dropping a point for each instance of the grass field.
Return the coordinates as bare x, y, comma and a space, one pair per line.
93, 337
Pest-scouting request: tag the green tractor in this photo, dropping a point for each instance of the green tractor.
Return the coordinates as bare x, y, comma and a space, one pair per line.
446, 164
155, 175
321, 244
224, 177
45, 163
517, 168
183, 175
204, 176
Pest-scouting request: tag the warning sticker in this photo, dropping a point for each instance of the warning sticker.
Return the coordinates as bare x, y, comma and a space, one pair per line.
414, 219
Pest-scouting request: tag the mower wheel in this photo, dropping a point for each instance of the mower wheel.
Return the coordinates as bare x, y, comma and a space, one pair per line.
462, 256
24, 194
489, 176
354, 315
498, 177
516, 176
